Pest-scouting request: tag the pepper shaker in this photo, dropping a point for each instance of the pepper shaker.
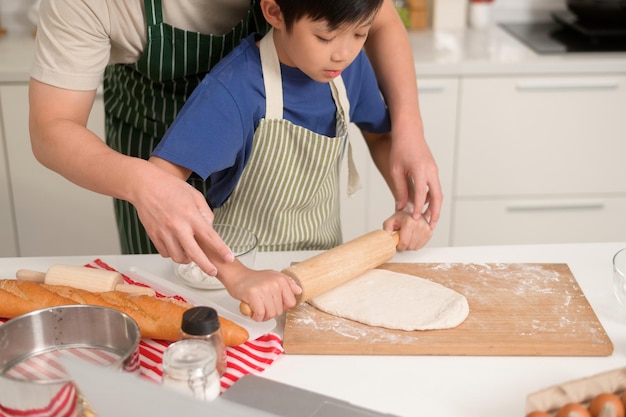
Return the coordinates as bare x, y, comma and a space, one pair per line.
203, 323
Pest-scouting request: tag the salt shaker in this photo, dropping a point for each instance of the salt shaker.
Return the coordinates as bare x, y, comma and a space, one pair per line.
189, 368
203, 323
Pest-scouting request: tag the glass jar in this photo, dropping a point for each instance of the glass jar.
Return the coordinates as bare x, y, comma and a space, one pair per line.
203, 323
189, 368
619, 275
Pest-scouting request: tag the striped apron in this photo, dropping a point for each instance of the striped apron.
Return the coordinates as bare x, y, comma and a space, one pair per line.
288, 193
142, 99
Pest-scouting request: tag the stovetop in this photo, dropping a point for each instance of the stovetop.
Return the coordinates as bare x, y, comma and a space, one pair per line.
565, 34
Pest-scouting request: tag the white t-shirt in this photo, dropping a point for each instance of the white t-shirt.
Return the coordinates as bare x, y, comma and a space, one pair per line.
77, 39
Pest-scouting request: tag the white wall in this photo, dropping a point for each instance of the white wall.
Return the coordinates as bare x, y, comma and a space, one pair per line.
14, 14
525, 10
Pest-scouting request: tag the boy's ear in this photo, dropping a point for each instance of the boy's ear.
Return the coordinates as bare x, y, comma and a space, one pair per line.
273, 15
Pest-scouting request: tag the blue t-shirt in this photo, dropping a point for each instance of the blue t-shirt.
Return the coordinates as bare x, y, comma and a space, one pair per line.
213, 133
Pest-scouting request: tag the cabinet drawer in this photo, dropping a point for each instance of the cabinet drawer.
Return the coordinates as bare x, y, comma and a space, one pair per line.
521, 221
542, 136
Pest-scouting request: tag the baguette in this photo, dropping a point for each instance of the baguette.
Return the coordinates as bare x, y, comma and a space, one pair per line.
158, 318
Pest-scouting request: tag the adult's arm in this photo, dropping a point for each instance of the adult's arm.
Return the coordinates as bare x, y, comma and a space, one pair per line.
414, 232
175, 215
414, 173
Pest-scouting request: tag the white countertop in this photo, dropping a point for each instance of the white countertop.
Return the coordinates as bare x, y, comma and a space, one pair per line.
437, 54
494, 51
432, 385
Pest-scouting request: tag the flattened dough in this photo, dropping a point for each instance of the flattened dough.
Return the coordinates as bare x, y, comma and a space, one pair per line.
395, 301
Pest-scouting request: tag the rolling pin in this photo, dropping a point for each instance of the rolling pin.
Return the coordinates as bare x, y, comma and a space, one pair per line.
89, 279
338, 265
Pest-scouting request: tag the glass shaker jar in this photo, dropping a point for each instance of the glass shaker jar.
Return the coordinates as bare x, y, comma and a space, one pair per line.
619, 275
189, 368
203, 323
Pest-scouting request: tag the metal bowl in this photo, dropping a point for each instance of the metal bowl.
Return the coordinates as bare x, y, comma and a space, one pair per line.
31, 376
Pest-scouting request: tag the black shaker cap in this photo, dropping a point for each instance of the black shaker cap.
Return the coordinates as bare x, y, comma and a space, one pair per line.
200, 321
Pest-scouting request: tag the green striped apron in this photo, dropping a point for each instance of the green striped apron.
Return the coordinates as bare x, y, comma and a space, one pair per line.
288, 194
142, 99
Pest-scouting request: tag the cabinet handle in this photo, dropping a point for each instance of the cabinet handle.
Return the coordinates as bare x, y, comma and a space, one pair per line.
430, 89
556, 206
552, 85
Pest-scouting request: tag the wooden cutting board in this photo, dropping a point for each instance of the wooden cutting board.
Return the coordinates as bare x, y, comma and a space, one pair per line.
515, 309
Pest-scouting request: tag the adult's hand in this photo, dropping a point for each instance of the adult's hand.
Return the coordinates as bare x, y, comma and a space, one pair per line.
415, 174
177, 218
175, 215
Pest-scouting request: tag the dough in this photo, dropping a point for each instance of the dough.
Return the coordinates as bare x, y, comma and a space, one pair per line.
395, 301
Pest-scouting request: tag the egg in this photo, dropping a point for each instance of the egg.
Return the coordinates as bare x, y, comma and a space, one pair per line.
573, 410
606, 401
538, 414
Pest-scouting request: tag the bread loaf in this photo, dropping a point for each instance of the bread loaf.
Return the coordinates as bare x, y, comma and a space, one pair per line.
158, 318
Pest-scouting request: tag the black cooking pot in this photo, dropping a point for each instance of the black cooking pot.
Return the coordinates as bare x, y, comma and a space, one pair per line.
611, 12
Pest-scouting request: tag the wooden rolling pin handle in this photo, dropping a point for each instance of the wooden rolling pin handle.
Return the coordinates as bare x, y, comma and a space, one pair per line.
374, 238
28, 275
36, 276
396, 237
245, 309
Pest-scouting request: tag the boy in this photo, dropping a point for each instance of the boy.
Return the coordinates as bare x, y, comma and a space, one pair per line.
268, 125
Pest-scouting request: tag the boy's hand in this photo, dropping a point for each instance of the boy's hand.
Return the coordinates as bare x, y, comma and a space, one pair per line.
268, 293
414, 234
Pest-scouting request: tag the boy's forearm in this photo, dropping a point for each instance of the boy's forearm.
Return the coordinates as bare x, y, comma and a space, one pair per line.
230, 273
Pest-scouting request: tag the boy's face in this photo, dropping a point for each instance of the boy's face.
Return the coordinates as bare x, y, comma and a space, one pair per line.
320, 53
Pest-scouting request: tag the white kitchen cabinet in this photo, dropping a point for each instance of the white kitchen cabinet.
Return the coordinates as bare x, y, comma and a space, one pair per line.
539, 220
540, 160
8, 240
375, 203
52, 215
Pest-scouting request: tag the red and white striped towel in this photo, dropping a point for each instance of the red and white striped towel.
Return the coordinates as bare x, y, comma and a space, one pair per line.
251, 357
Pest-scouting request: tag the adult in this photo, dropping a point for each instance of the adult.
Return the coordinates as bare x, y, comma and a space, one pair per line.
150, 55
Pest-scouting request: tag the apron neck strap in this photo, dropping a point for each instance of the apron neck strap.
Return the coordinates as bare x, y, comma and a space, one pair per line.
154, 12
340, 95
271, 77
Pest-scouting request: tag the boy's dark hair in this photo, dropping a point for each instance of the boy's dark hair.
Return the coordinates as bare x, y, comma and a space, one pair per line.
334, 12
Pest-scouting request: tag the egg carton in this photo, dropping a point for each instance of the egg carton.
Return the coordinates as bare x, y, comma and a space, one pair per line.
581, 390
